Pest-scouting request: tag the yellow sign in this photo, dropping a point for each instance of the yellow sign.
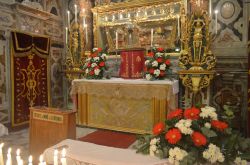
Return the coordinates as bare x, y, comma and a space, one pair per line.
48, 117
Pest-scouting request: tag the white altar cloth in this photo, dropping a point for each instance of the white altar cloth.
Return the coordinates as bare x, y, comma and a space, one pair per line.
83, 153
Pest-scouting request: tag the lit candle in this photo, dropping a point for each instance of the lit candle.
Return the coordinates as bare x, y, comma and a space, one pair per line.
83, 22
86, 33
210, 8
178, 25
41, 160
9, 161
66, 36
75, 13
1, 153
116, 40
68, 13
30, 160
18, 157
63, 159
216, 20
152, 37
56, 157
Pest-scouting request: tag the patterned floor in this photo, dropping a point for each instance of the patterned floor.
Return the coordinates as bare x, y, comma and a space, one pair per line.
20, 139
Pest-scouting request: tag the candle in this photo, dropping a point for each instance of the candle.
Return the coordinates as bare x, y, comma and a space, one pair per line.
86, 33
63, 159
30, 160
66, 36
186, 6
199, 3
18, 157
116, 40
68, 13
56, 157
20, 162
1, 153
83, 22
216, 21
75, 13
41, 160
178, 25
9, 161
210, 8
152, 37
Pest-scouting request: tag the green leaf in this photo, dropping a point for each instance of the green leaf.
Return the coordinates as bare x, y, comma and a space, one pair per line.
209, 133
245, 156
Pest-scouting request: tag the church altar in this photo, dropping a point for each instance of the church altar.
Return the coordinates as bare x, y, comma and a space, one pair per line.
83, 153
123, 105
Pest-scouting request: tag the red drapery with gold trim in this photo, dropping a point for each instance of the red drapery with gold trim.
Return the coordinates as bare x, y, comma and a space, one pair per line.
30, 75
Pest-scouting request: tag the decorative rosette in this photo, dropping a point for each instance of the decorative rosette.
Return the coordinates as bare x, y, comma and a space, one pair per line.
95, 65
157, 64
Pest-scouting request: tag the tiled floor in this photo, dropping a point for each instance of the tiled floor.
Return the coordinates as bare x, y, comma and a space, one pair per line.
20, 139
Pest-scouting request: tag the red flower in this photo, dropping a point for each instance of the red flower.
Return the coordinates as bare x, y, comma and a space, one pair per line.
167, 62
162, 73
151, 71
158, 128
93, 55
192, 113
99, 49
160, 60
151, 54
175, 114
219, 125
91, 72
89, 64
173, 136
160, 49
199, 139
102, 63
97, 67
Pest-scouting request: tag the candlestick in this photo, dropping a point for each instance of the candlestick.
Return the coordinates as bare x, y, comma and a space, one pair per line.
63, 159
18, 157
9, 160
1, 153
178, 25
68, 13
66, 36
30, 160
152, 37
56, 157
116, 40
216, 20
86, 33
75, 13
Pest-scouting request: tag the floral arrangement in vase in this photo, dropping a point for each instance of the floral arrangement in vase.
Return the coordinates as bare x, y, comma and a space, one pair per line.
157, 64
196, 136
95, 64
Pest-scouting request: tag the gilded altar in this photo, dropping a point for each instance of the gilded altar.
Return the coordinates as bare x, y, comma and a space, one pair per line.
124, 105
138, 23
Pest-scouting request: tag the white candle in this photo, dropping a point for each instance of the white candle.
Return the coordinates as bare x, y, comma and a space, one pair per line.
63, 159
152, 37
199, 3
68, 13
210, 8
9, 160
30, 160
86, 33
116, 40
186, 6
216, 21
18, 157
41, 160
1, 153
178, 25
75, 13
56, 157
20, 162
66, 36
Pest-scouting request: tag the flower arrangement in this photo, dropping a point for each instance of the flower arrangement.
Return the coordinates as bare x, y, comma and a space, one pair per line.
95, 65
157, 64
196, 136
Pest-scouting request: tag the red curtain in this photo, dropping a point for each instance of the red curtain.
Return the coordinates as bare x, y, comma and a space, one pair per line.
30, 75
